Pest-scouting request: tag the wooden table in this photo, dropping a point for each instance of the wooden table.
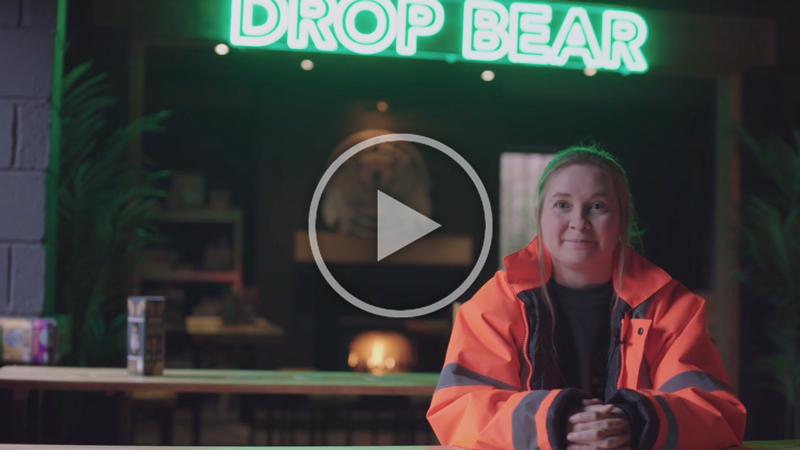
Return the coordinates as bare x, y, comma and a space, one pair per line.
27, 380
775, 445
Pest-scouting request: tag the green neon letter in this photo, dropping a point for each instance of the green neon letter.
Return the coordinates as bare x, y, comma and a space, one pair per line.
366, 43
577, 33
247, 33
529, 33
485, 30
623, 36
311, 18
417, 18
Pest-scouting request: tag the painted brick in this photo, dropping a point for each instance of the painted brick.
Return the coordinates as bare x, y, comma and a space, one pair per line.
6, 134
27, 280
9, 13
4, 280
39, 13
33, 136
26, 62
22, 195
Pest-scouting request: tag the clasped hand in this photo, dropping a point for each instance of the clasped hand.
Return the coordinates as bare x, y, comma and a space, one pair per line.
598, 426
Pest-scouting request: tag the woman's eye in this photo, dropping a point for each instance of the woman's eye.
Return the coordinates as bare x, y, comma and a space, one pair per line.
598, 206
560, 205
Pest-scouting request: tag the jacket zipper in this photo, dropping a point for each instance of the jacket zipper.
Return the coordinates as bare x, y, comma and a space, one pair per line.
526, 344
622, 332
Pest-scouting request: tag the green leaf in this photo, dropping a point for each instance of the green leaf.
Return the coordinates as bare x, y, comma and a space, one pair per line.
770, 237
102, 214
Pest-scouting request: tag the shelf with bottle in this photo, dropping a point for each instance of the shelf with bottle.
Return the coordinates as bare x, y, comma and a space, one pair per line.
205, 246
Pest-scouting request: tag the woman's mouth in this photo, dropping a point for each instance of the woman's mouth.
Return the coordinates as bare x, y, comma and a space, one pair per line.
579, 241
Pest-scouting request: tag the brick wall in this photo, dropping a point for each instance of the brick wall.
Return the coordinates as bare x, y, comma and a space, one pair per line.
27, 29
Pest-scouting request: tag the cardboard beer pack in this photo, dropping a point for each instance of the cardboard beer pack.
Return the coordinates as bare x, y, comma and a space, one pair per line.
28, 340
145, 335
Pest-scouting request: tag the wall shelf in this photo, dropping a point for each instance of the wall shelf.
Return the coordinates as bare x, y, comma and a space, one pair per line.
233, 219
201, 216
444, 250
191, 276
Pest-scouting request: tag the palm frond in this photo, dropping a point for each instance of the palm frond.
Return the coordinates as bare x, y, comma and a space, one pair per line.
105, 206
771, 243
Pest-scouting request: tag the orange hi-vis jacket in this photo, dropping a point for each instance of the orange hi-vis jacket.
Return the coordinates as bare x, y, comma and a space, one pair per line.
500, 388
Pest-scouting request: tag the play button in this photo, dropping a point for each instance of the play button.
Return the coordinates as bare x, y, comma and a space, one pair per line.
399, 225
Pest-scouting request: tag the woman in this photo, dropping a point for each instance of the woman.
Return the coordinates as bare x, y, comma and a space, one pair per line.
581, 343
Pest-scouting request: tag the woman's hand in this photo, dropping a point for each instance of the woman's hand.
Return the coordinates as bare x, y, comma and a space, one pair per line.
598, 426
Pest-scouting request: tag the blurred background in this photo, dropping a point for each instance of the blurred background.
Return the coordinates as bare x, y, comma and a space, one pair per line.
222, 147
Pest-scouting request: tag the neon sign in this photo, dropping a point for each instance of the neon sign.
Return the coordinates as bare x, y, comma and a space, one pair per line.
504, 32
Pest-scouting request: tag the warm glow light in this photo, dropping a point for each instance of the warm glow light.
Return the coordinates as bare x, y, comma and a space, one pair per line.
307, 64
487, 75
380, 352
376, 359
222, 49
590, 71
383, 106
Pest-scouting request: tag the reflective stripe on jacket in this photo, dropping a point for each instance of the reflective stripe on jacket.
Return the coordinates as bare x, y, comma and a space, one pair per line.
500, 387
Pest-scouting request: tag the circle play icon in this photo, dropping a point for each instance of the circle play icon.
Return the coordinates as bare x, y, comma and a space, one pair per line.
399, 226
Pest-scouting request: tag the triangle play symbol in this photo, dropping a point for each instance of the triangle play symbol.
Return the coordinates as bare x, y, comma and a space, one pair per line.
399, 225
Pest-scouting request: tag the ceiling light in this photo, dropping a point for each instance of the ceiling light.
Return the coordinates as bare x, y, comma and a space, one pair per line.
222, 49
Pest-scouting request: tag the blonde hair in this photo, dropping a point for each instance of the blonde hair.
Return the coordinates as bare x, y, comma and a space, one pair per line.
590, 155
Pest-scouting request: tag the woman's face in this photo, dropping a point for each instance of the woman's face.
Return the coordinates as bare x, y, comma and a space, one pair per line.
580, 221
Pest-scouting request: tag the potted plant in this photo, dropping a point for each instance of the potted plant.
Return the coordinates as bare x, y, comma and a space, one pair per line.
771, 247
106, 204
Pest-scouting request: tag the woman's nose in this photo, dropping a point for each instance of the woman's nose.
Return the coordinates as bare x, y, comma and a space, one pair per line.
579, 222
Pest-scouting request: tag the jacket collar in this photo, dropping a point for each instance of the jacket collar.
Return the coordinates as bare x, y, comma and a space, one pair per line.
640, 279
